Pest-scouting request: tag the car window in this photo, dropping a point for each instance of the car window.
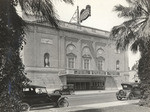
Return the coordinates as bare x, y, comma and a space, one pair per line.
29, 91
40, 90
126, 87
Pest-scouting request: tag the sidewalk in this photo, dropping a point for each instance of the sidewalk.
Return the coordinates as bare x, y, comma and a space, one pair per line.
94, 91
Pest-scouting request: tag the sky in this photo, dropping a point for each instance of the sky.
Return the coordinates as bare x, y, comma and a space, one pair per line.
102, 16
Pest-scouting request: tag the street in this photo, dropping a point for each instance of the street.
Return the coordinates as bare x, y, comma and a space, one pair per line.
75, 100
84, 100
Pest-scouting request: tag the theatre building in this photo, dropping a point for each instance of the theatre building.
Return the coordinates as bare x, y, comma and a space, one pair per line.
73, 54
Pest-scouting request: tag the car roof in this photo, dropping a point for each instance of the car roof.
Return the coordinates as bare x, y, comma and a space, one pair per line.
131, 83
34, 86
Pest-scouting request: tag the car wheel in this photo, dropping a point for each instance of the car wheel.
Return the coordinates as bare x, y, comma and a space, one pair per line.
25, 107
118, 97
130, 97
63, 103
57, 92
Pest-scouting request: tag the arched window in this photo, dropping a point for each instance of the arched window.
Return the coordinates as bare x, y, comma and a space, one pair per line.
100, 59
100, 63
86, 57
117, 65
71, 60
86, 63
46, 60
71, 57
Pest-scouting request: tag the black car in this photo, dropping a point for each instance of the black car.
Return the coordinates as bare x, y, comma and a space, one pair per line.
65, 90
129, 91
36, 96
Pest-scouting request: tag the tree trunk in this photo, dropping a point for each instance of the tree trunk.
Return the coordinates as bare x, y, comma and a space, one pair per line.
144, 75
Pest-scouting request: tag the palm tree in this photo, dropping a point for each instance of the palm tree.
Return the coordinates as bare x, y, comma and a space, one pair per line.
12, 75
135, 30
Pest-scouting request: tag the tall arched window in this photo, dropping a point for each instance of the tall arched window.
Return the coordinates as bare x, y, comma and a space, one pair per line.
71, 57
117, 65
71, 60
100, 59
46, 60
86, 58
100, 63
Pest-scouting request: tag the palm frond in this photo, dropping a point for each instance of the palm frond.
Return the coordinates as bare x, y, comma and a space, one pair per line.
129, 12
42, 9
135, 46
146, 4
139, 44
143, 30
123, 35
130, 1
69, 1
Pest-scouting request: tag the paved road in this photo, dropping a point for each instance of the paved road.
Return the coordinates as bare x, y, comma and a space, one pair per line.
75, 100
87, 99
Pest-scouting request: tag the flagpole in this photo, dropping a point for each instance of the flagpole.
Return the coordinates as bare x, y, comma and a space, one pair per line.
78, 17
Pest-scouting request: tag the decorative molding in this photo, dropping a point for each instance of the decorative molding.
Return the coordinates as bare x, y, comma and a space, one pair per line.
71, 55
86, 41
46, 41
71, 39
100, 44
100, 58
87, 56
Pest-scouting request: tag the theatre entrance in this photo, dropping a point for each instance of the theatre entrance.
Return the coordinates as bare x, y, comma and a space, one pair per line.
87, 83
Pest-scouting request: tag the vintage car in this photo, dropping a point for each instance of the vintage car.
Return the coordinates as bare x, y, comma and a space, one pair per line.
65, 90
37, 96
129, 91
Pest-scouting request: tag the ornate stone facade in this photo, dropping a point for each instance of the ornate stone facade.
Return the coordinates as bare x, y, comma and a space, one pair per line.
73, 54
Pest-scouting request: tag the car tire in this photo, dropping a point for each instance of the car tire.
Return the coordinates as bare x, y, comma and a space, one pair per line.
63, 103
118, 97
25, 107
130, 96
57, 92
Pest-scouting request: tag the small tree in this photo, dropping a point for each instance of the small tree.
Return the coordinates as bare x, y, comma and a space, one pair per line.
12, 75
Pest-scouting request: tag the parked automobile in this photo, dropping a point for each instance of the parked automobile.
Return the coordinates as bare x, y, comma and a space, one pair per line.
129, 91
65, 90
36, 96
